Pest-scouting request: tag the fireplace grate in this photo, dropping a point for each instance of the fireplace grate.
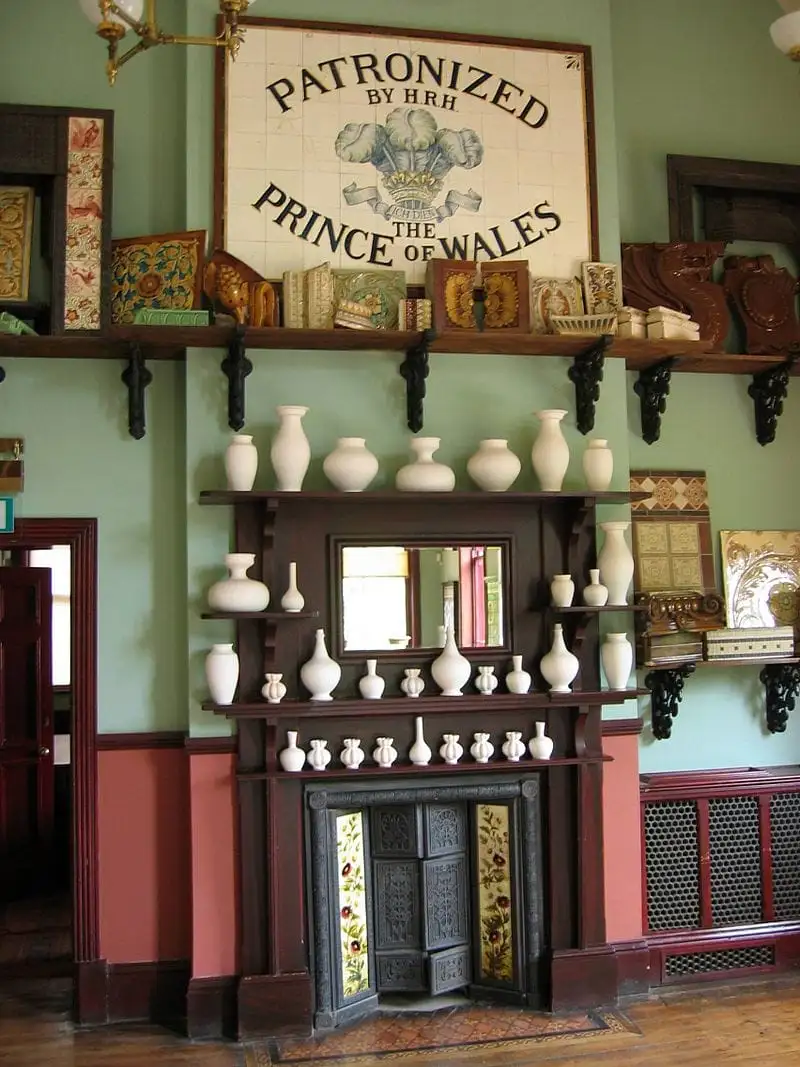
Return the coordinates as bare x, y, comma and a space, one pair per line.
684, 964
733, 831
785, 826
673, 875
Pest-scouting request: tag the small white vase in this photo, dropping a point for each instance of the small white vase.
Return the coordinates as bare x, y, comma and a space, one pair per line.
541, 746
412, 685
293, 600
222, 673
319, 757
237, 592
494, 467
290, 451
615, 562
562, 590
241, 463
595, 594
513, 748
559, 666
425, 475
598, 465
371, 685
320, 675
384, 754
550, 453
292, 758
616, 655
517, 680
351, 466
420, 752
451, 671
352, 755
451, 751
274, 691
486, 682
481, 748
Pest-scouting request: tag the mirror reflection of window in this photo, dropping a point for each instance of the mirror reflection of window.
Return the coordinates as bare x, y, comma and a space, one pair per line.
375, 598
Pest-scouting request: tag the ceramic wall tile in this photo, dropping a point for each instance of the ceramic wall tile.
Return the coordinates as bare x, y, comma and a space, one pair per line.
16, 234
83, 267
495, 902
761, 572
352, 903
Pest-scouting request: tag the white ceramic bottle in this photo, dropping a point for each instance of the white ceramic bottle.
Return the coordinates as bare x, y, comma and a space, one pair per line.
384, 753
293, 600
451, 671
292, 758
598, 465
222, 673
290, 451
420, 752
319, 757
540, 745
494, 467
550, 453
517, 679
486, 682
237, 592
616, 655
481, 748
371, 685
562, 590
412, 685
513, 748
595, 595
559, 666
615, 562
450, 750
241, 463
425, 474
352, 755
351, 466
274, 690
320, 675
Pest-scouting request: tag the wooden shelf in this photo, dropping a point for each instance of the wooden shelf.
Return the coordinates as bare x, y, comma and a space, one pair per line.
749, 661
267, 616
585, 609
228, 496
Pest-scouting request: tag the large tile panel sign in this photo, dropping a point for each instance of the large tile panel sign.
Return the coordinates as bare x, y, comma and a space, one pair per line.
383, 148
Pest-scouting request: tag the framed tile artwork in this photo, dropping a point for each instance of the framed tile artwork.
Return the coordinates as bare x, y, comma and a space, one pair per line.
369, 147
761, 573
671, 532
163, 271
16, 233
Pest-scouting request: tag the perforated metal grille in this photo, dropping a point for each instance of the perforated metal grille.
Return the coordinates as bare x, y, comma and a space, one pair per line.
673, 880
735, 860
734, 959
785, 826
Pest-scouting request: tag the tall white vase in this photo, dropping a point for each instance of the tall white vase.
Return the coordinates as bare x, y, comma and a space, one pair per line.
595, 594
615, 562
540, 745
451, 670
425, 474
320, 675
222, 673
290, 452
420, 752
241, 463
598, 465
517, 679
292, 758
559, 666
371, 685
351, 466
550, 453
293, 600
237, 592
616, 655
494, 467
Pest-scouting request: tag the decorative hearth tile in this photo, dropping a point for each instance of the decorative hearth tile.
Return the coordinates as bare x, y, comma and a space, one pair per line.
352, 903
494, 892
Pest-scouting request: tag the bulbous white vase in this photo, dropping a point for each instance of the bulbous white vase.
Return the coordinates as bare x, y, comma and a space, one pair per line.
292, 758
615, 562
222, 673
562, 590
598, 465
412, 685
425, 475
559, 666
550, 453
273, 690
319, 757
595, 595
352, 755
451, 670
451, 751
517, 679
237, 592
494, 467
241, 463
293, 600
320, 675
351, 466
290, 452
540, 745
513, 747
616, 655
384, 753
482, 748
371, 685
486, 683
420, 752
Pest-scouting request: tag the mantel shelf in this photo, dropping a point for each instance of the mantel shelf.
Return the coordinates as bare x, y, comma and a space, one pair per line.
266, 616
586, 609
230, 496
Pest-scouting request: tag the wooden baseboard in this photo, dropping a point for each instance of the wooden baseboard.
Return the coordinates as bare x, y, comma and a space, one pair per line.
583, 978
633, 967
212, 1008
132, 992
275, 1005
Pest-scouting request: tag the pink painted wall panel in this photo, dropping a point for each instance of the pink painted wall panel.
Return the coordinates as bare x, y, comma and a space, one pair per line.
622, 839
215, 932
144, 855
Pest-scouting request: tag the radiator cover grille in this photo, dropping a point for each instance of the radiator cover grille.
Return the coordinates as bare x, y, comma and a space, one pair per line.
685, 964
673, 875
785, 823
734, 839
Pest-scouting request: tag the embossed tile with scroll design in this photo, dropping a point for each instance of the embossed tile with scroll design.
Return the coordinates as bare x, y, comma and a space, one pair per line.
761, 571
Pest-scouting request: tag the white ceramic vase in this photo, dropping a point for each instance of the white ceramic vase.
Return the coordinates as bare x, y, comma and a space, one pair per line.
320, 675
241, 463
420, 752
494, 467
274, 690
293, 600
292, 758
540, 745
615, 562
562, 590
598, 465
451, 751
371, 685
222, 673
517, 679
352, 755
425, 475
412, 685
237, 592
319, 757
481, 748
513, 748
550, 453
384, 753
351, 466
486, 682
290, 452
616, 655
595, 595
451, 671
559, 666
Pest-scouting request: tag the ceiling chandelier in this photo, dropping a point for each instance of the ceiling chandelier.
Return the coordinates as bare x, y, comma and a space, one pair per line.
113, 18
785, 31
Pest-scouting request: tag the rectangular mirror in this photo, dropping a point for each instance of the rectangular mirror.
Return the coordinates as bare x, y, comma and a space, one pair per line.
393, 598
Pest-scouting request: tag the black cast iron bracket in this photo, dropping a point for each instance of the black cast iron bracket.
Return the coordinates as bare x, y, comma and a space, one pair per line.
652, 388
666, 691
236, 367
136, 377
586, 373
781, 687
415, 368
768, 390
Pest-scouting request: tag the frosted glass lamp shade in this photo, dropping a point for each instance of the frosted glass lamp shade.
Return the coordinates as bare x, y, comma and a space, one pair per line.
785, 34
93, 11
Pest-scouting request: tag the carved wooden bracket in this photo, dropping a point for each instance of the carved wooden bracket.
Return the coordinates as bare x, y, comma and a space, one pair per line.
670, 612
764, 296
769, 389
415, 368
586, 373
236, 367
666, 688
136, 377
781, 686
652, 388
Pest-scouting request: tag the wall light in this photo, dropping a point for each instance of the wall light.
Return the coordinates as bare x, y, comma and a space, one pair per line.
785, 31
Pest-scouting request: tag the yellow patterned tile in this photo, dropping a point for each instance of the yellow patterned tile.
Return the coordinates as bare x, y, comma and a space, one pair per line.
684, 538
651, 538
686, 572
654, 573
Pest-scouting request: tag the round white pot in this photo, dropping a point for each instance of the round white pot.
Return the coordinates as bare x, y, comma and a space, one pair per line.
595, 595
237, 592
425, 475
598, 465
351, 466
494, 467
562, 590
